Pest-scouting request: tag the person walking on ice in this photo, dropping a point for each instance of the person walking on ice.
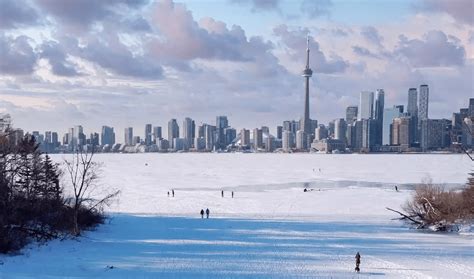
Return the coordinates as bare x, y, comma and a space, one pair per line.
202, 213
357, 257
232, 194
172, 192
207, 213
222, 193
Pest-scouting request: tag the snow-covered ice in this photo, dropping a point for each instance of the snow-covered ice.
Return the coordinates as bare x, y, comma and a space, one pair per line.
271, 229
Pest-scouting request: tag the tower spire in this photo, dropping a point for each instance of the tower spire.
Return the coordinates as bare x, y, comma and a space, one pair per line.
307, 51
307, 73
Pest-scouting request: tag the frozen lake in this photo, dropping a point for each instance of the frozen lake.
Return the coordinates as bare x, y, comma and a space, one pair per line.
270, 229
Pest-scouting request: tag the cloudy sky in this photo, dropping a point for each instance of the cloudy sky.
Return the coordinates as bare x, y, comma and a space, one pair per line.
131, 62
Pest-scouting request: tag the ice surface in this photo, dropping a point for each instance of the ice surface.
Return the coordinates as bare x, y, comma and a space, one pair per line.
270, 229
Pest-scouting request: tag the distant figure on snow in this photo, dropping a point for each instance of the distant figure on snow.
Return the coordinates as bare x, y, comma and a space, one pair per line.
172, 192
396, 188
168, 194
232, 194
202, 213
207, 213
222, 193
357, 257
305, 190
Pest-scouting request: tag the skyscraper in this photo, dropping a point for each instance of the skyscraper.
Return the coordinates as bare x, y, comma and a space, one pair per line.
157, 134
351, 114
245, 137
340, 127
423, 102
412, 107
389, 115
257, 138
107, 135
412, 110
379, 110
173, 131
307, 73
128, 136
366, 105
221, 124
148, 134
188, 127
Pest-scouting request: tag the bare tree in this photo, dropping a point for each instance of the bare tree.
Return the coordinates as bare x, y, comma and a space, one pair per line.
84, 174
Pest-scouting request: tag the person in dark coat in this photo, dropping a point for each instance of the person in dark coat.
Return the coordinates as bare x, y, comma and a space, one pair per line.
222, 193
168, 194
207, 213
172, 192
357, 257
232, 194
202, 213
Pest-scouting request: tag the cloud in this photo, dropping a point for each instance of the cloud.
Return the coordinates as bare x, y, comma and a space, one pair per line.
371, 34
83, 13
17, 57
260, 5
56, 56
181, 38
16, 14
362, 51
460, 10
110, 53
295, 43
435, 49
316, 8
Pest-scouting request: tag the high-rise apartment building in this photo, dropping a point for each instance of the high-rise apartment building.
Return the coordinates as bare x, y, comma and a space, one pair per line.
351, 114
366, 105
257, 138
107, 135
340, 127
173, 131
389, 115
128, 136
245, 137
148, 134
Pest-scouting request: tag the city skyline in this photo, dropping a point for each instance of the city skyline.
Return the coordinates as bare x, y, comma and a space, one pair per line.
128, 63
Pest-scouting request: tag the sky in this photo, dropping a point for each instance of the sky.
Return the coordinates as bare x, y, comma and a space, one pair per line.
127, 63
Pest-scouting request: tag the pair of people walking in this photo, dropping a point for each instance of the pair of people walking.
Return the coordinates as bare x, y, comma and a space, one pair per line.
172, 192
207, 213
222, 193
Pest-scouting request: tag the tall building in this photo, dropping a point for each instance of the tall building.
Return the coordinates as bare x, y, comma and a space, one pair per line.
433, 134
340, 127
307, 73
366, 105
230, 135
291, 126
157, 134
245, 137
412, 110
221, 124
320, 133
209, 136
301, 140
188, 128
369, 134
173, 131
257, 138
148, 134
78, 138
279, 132
288, 140
128, 136
423, 102
389, 115
401, 132
107, 135
379, 111
5, 122
351, 114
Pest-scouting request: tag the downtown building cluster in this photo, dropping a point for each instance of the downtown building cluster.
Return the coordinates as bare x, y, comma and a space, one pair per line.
368, 127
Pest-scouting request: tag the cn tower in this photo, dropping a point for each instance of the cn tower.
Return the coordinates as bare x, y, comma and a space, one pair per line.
307, 73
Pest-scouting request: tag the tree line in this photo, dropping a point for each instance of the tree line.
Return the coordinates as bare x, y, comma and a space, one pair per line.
33, 204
